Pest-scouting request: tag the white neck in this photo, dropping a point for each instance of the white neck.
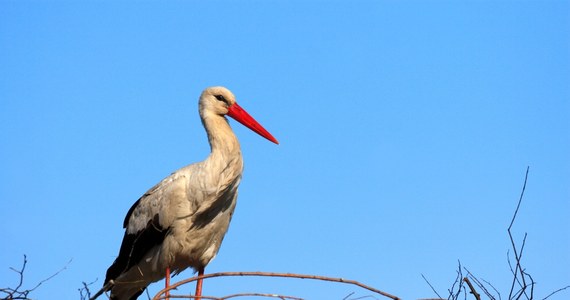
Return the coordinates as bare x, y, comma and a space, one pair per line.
225, 149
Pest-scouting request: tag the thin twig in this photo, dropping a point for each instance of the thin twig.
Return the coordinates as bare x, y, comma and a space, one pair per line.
52, 276
431, 286
260, 295
513, 271
15, 293
522, 271
558, 290
358, 298
86, 289
283, 297
21, 273
532, 283
457, 280
266, 295
496, 291
520, 200
518, 267
272, 274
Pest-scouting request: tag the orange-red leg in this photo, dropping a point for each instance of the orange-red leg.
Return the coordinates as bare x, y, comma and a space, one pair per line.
167, 282
199, 284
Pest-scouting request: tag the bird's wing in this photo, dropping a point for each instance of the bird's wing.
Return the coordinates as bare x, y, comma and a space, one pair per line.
147, 223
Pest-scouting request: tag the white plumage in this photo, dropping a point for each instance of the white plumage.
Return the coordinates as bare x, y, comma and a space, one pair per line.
181, 221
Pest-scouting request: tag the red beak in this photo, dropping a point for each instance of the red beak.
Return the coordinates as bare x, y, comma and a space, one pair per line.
239, 114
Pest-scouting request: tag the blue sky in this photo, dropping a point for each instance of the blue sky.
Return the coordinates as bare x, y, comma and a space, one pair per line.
405, 128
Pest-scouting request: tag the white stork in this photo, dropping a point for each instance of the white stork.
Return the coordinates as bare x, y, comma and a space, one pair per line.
181, 221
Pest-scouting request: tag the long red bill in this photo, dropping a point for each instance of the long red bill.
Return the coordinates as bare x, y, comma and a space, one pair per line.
239, 114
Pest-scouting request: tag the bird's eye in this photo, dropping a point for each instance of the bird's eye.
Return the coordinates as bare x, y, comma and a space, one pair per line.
221, 98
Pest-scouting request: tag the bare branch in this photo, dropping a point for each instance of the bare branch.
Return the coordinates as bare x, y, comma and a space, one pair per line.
457, 280
472, 288
283, 297
85, 289
261, 295
532, 283
520, 200
522, 285
358, 298
496, 291
16, 293
518, 268
271, 274
482, 286
52, 276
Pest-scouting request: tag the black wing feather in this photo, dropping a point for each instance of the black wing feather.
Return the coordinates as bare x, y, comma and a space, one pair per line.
130, 212
136, 245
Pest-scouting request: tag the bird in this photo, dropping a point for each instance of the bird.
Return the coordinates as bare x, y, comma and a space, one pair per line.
180, 222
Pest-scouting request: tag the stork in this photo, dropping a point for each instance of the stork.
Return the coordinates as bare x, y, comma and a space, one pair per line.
181, 221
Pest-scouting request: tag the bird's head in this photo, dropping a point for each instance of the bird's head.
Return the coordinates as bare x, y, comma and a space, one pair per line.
217, 100
221, 101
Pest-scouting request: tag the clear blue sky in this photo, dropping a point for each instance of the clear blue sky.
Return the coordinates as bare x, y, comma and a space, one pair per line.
405, 130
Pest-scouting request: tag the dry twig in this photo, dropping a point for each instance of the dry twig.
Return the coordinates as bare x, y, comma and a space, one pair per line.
84, 292
558, 290
431, 286
272, 274
518, 270
16, 293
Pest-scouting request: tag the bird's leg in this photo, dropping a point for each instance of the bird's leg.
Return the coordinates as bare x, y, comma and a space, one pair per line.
199, 284
167, 282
